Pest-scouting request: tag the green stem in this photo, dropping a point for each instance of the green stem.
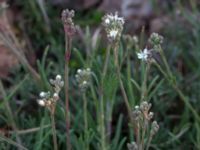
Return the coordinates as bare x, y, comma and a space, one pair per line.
143, 134
144, 83
67, 55
180, 93
54, 129
102, 115
85, 121
165, 62
138, 133
149, 141
120, 81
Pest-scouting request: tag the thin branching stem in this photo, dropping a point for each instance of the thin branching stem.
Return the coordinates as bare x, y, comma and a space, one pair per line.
54, 129
144, 83
85, 121
149, 141
177, 89
116, 46
102, 115
67, 57
143, 133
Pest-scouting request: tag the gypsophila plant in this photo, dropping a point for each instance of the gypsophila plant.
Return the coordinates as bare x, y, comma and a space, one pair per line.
142, 121
49, 100
98, 110
83, 78
70, 30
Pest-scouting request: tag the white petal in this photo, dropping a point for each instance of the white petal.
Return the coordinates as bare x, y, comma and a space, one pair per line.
41, 102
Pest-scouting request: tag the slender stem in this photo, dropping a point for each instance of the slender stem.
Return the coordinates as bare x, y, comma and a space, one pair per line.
149, 141
144, 84
120, 81
180, 93
165, 62
143, 134
102, 115
54, 129
67, 55
138, 133
102, 125
85, 121
10, 114
106, 61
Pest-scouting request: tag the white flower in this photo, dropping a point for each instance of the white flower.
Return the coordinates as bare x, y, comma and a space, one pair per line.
42, 94
113, 34
84, 82
58, 77
107, 21
41, 102
55, 96
143, 55
88, 69
79, 71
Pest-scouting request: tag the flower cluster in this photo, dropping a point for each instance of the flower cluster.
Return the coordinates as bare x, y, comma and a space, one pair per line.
69, 27
142, 117
114, 26
83, 78
46, 98
155, 39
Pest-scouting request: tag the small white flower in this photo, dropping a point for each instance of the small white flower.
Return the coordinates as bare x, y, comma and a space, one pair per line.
41, 102
136, 107
143, 55
88, 69
113, 34
55, 96
107, 20
84, 82
42, 94
79, 70
58, 77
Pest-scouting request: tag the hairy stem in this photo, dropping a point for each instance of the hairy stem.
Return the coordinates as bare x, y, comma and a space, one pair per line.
143, 134
67, 57
120, 81
85, 122
149, 141
144, 83
102, 115
54, 129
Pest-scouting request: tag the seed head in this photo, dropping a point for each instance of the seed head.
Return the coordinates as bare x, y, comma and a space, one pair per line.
69, 27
